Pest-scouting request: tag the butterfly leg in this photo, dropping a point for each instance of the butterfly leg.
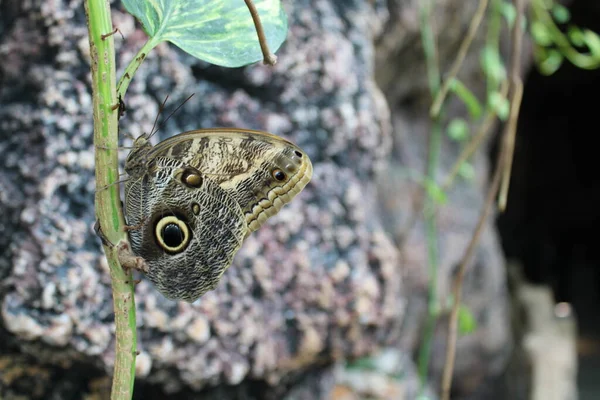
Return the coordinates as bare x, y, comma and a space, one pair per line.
137, 226
128, 228
126, 257
128, 260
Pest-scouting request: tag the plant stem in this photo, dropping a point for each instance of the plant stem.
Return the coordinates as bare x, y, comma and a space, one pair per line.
460, 58
268, 57
457, 292
108, 202
474, 144
429, 209
133, 66
516, 90
492, 43
428, 39
499, 183
430, 216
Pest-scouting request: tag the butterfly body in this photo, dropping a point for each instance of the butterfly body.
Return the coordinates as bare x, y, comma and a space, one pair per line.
193, 198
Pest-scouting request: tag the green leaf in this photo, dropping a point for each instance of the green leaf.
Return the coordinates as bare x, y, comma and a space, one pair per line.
592, 41
509, 12
492, 64
218, 31
435, 192
466, 171
467, 97
466, 321
541, 34
500, 105
549, 61
561, 13
458, 130
575, 36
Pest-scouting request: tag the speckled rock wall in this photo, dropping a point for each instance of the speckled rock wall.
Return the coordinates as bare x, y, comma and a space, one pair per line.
320, 282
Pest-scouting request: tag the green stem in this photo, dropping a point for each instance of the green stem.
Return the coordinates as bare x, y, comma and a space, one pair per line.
108, 202
428, 39
429, 210
493, 43
431, 231
460, 58
584, 61
133, 66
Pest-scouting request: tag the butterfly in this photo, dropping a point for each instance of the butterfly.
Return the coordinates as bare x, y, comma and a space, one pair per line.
192, 200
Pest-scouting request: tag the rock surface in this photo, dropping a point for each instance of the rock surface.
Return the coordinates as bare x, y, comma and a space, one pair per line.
321, 282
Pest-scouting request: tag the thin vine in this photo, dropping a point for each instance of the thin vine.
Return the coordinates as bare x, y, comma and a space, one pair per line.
552, 46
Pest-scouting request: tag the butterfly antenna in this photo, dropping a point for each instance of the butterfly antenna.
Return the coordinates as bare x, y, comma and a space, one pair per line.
170, 115
160, 110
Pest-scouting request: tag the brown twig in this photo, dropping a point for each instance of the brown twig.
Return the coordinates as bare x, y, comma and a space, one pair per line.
268, 57
453, 323
460, 58
516, 89
504, 161
509, 142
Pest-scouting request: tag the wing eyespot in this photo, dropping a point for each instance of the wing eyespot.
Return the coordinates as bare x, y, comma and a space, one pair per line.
196, 208
191, 178
279, 174
172, 234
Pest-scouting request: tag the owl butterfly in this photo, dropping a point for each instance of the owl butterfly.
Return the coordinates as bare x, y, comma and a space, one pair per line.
192, 199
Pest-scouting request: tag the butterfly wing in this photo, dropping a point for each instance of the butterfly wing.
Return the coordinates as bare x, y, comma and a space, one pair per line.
261, 171
187, 235
198, 195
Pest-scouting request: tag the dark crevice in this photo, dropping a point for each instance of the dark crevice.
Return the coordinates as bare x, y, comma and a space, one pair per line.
553, 212
551, 224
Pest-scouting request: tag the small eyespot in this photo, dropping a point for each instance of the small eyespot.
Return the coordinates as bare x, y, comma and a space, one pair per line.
172, 234
196, 208
278, 174
296, 152
191, 178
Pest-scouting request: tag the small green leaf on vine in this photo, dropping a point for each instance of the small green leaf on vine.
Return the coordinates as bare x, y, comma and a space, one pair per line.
435, 192
458, 130
548, 60
541, 34
492, 64
499, 104
466, 171
575, 35
466, 321
560, 13
467, 97
509, 12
